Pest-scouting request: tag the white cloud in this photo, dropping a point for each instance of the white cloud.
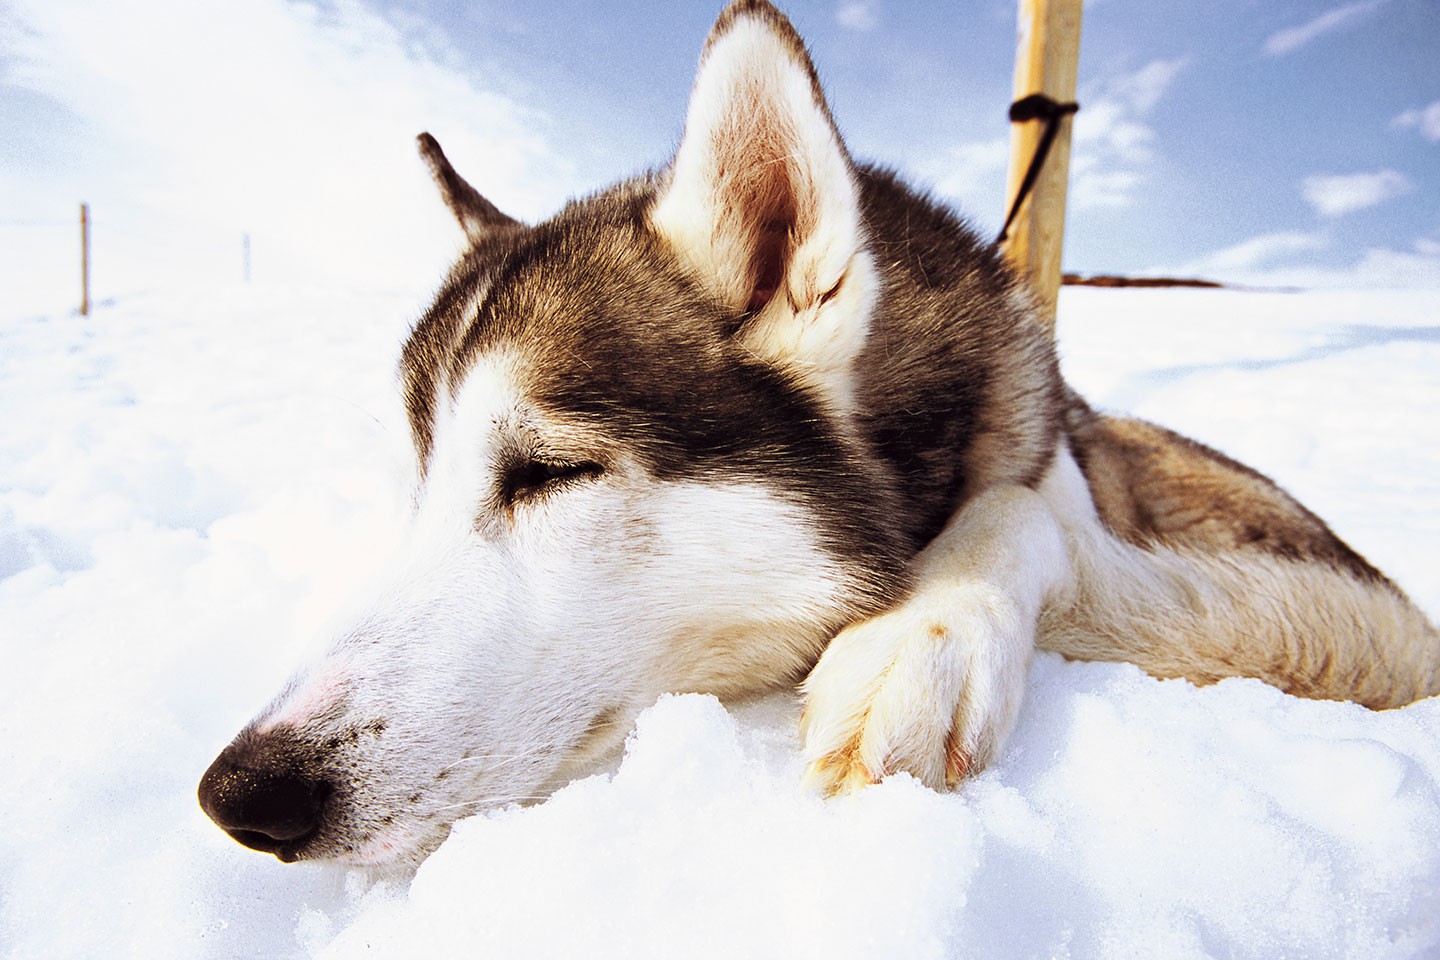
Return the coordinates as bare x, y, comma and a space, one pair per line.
1289, 259
1092, 188
1384, 267
1111, 147
972, 174
1425, 119
1144, 88
1293, 38
858, 15
293, 122
1253, 254
1113, 141
1335, 194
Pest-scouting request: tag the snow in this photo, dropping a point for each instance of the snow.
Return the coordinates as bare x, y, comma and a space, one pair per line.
189, 481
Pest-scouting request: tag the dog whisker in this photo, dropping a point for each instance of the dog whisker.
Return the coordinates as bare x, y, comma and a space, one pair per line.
506, 757
489, 801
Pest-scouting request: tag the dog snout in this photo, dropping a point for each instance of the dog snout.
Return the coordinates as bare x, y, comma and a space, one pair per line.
258, 790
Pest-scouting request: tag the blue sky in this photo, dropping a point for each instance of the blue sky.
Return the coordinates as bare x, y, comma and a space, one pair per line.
1285, 141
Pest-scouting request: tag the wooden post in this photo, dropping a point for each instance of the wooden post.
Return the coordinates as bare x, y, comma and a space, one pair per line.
84, 259
1046, 61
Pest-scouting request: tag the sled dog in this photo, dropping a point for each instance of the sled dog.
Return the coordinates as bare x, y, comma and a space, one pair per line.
769, 416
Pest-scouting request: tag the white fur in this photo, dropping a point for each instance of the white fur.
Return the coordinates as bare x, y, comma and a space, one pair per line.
501, 634
932, 686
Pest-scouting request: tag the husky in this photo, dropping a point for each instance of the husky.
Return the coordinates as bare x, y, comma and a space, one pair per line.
769, 416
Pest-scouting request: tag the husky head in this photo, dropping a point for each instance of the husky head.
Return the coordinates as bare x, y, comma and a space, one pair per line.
639, 471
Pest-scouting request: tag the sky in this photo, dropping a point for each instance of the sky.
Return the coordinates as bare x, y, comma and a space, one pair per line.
1284, 142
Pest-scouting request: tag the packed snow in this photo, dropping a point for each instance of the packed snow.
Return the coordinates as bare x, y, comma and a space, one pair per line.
190, 480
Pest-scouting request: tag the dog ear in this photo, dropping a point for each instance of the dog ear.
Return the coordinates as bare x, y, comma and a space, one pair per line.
478, 217
762, 199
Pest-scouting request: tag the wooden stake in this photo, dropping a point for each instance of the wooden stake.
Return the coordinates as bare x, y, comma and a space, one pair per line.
1046, 61
84, 259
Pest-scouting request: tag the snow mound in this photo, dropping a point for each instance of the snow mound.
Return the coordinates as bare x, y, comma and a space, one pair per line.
1131, 818
189, 481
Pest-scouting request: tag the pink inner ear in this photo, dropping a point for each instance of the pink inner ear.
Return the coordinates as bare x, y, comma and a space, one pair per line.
765, 202
771, 252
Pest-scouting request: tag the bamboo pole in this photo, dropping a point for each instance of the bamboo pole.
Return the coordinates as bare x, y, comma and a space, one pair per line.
1046, 61
84, 259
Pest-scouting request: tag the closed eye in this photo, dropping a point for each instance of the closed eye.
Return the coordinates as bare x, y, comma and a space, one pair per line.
532, 478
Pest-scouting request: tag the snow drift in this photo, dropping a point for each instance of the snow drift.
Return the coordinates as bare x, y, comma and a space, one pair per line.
188, 481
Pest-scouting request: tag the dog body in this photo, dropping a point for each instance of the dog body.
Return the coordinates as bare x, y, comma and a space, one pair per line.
769, 416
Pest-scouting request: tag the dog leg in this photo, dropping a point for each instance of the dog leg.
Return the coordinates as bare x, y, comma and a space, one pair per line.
1205, 610
932, 686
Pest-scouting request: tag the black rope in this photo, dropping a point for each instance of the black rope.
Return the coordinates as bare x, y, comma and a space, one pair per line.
1037, 106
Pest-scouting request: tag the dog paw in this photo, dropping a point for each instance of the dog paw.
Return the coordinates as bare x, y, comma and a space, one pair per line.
927, 689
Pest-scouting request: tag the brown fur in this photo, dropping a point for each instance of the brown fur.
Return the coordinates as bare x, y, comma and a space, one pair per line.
1154, 486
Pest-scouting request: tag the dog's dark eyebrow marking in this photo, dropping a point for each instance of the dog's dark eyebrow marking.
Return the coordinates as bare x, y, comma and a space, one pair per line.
438, 347
534, 246
422, 359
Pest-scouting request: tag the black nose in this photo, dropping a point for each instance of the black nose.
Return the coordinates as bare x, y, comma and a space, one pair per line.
257, 792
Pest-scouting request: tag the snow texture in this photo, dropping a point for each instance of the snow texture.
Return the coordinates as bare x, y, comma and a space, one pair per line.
188, 481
